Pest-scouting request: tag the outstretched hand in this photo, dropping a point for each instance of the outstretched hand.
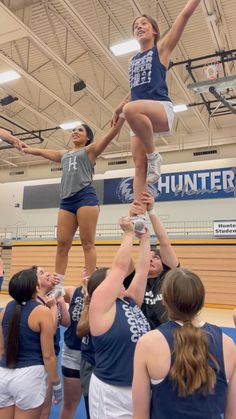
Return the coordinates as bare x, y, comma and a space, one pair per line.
116, 114
114, 119
55, 280
20, 145
126, 225
115, 128
137, 208
147, 198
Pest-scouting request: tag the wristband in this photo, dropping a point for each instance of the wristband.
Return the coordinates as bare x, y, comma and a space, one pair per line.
57, 391
151, 212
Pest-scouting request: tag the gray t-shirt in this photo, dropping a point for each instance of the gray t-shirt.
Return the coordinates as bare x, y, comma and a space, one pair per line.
77, 173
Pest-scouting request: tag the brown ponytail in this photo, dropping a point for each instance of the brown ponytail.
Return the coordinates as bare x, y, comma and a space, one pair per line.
183, 294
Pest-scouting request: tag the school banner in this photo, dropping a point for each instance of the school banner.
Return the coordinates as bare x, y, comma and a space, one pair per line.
179, 186
225, 228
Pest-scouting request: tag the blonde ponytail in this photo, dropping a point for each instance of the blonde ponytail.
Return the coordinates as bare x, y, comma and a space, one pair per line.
191, 371
183, 295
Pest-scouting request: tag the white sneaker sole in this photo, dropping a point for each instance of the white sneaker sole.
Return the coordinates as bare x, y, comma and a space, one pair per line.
139, 224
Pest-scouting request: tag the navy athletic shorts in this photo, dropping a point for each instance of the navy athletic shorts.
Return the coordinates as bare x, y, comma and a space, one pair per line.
85, 198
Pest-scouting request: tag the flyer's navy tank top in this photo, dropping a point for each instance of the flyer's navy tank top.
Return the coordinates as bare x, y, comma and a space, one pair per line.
147, 77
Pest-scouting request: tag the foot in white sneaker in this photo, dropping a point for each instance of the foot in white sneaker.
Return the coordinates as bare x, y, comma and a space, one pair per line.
139, 222
153, 168
58, 291
58, 281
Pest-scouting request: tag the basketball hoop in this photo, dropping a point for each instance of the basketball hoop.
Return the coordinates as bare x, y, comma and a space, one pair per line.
211, 70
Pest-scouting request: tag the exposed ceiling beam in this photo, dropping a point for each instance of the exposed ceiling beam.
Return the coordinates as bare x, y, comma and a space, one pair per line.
136, 6
93, 37
54, 57
94, 56
113, 18
41, 86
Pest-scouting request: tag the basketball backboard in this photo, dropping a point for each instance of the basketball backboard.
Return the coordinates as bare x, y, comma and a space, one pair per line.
221, 84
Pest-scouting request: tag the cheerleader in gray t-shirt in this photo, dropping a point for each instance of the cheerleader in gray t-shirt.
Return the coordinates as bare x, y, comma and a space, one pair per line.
79, 203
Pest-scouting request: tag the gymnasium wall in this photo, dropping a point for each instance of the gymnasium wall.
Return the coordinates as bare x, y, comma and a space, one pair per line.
12, 214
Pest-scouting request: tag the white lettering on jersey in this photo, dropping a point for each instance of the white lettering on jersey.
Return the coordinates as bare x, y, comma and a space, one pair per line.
72, 162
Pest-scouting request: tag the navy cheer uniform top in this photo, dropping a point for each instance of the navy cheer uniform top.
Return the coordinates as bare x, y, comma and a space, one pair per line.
29, 352
165, 402
147, 77
73, 341
114, 349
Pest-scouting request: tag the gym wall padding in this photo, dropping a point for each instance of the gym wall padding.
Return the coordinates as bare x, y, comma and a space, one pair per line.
213, 260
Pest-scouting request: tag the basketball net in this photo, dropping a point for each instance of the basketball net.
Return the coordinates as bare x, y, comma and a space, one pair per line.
211, 70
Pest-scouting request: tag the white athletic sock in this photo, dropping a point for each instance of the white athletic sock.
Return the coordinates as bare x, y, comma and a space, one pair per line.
58, 289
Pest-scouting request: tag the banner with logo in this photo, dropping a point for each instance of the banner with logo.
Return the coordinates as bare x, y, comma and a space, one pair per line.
179, 186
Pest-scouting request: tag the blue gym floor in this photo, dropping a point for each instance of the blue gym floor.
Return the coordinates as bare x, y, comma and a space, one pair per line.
81, 413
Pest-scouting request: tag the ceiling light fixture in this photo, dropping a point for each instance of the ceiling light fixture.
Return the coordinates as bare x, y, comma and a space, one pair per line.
180, 108
9, 76
69, 125
125, 47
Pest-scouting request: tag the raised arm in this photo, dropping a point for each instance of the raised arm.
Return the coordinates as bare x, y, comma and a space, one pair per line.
137, 287
65, 315
69, 292
50, 301
46, 325
171, 39
102, 302
95, 149
168, 255
119, 109
141, 389
54, 155
11, 139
